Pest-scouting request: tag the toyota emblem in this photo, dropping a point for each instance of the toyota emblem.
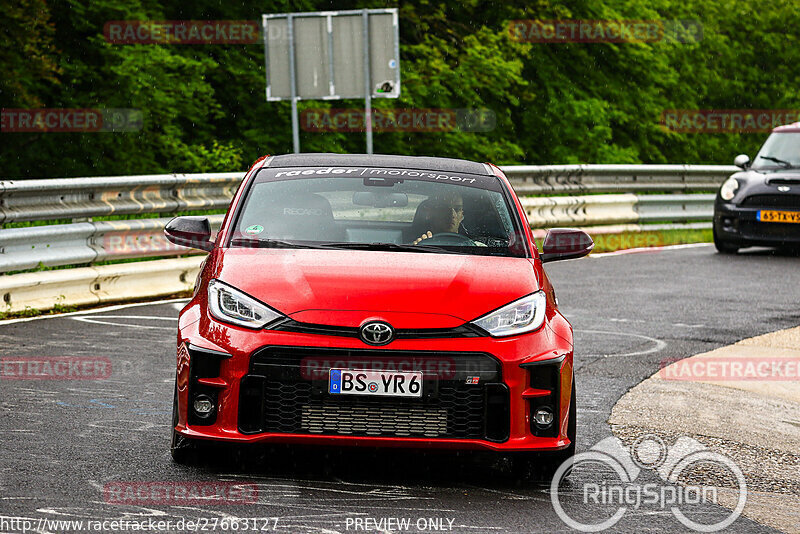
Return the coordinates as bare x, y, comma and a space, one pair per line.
784, 188
377, 333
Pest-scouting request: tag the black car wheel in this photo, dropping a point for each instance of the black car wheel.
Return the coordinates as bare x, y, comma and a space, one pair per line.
724, 247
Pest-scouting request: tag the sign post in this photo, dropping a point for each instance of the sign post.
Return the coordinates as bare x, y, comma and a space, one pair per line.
332, 55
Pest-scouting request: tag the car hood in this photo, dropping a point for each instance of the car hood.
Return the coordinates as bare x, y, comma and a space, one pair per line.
300, 282
754, 182
768, 175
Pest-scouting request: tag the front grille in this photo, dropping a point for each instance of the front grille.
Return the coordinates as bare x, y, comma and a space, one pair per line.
774, 231
783, 181
356, 418
283, 394
772, 201
290, 325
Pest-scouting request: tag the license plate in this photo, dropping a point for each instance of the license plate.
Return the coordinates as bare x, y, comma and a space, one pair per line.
779, 216
376, 383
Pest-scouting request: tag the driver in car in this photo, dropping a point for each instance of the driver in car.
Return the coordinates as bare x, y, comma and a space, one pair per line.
443, 214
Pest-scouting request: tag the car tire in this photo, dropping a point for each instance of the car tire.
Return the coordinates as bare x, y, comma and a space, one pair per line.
724, 247
182, 449
540, 467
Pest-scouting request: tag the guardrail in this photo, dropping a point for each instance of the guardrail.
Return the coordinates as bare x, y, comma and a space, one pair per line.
68, 198
541, 179
597, 210
88, 242
82, 241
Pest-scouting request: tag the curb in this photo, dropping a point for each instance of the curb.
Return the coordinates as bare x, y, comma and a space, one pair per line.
734, 403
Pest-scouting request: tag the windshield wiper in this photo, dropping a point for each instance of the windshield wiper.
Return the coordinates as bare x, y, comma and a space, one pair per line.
389, 246
785, 163
278, 243
270, 243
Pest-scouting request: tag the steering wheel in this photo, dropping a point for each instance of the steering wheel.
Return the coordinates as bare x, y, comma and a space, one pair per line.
448, 238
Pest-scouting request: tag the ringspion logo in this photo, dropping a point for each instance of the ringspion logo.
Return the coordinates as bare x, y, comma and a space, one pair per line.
616, 485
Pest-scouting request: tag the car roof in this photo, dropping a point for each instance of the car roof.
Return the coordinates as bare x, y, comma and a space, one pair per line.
382, 161
795, 126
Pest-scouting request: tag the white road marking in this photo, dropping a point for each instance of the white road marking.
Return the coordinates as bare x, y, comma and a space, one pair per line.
94, 311
117, 425
659, 344
139, 317
581, 313
648, 249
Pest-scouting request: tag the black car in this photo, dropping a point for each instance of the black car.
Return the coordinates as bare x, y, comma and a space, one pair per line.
760, 206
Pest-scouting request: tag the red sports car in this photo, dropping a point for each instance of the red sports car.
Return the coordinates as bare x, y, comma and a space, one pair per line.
382, 301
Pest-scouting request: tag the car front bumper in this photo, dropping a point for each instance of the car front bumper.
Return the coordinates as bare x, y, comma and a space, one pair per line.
740, 226
263, 390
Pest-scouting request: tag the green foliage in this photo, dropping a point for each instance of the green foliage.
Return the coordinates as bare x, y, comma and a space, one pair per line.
644, 239
26, 53
204, 108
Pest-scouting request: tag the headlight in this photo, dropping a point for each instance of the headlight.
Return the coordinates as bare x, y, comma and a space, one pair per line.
728, 189
520, 316
232, 306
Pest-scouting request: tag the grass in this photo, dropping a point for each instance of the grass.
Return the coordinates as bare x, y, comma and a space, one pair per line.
658, 238
59, 308
655, 238
34, 312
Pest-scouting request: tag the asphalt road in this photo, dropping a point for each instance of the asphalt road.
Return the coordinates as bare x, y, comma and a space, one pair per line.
65, 443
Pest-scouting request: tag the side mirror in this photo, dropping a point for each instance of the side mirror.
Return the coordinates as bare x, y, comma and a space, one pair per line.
190, 231
565, 244
742, 161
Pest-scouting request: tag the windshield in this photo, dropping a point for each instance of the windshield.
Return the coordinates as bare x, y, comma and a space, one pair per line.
781, 150
375, 209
